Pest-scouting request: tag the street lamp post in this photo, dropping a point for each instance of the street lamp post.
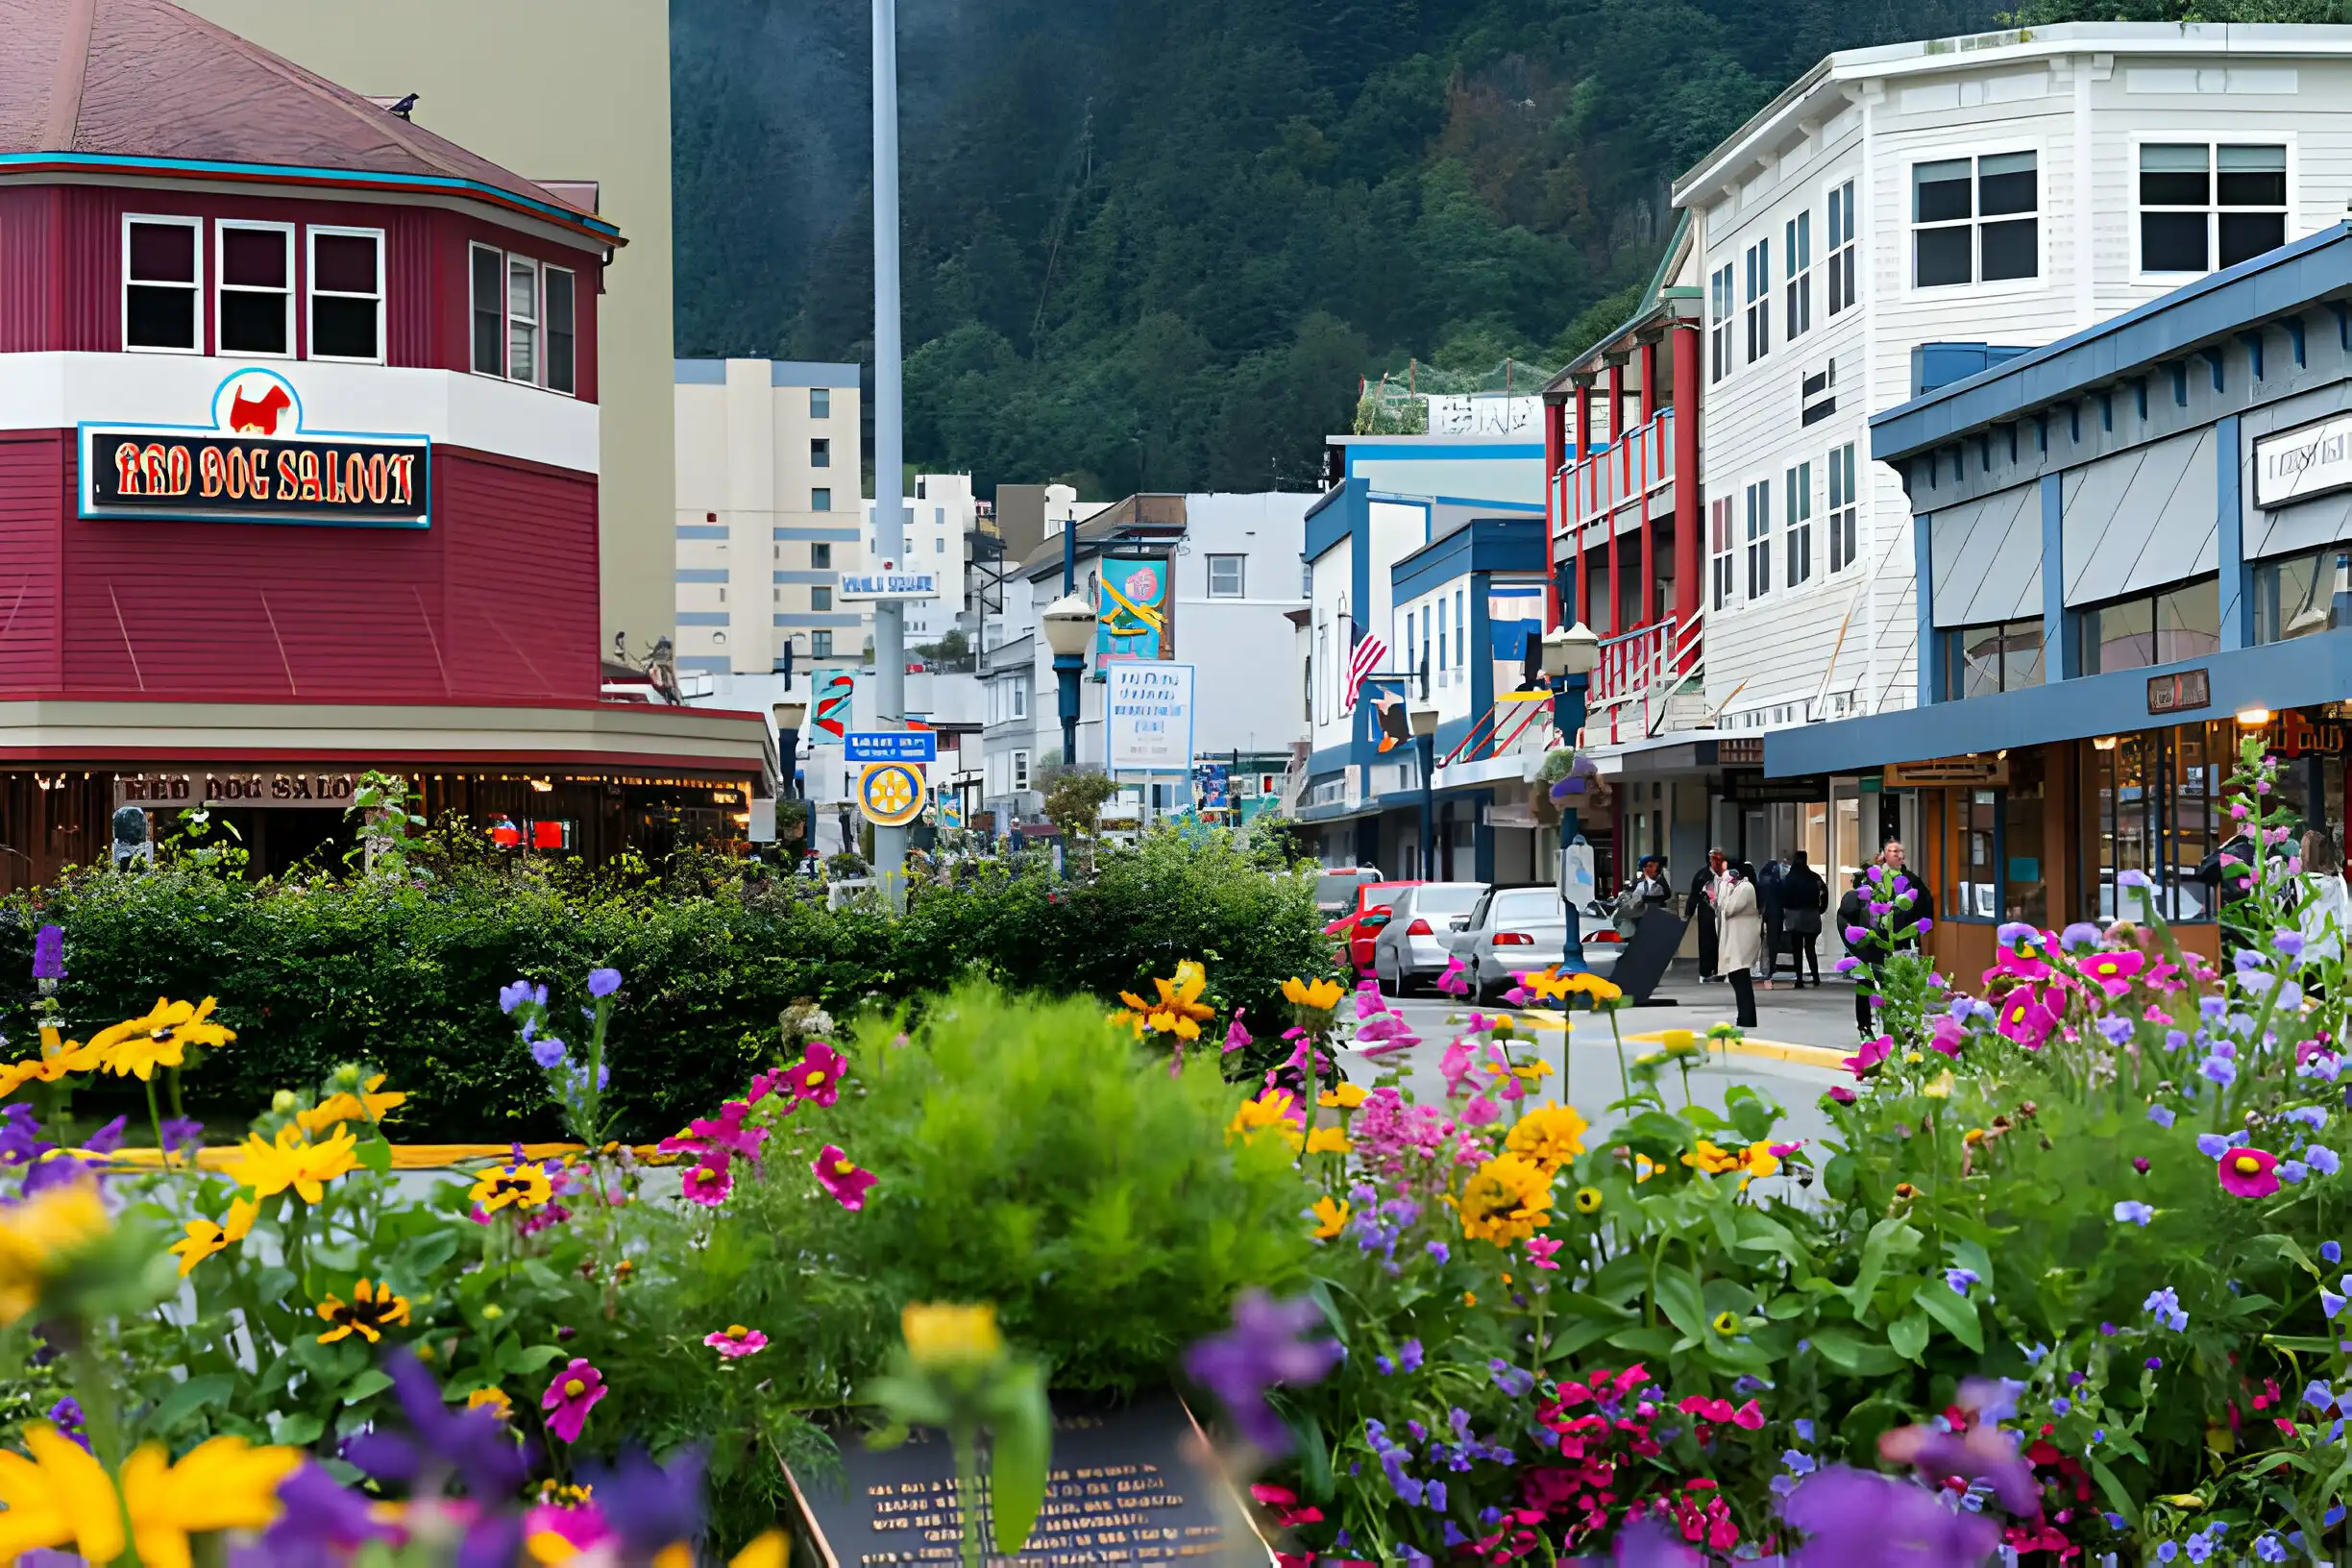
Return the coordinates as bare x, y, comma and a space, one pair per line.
1568, 659
1424, 720
789, 717
1070, 626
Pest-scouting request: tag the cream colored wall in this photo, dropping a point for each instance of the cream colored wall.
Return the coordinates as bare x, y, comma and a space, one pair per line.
555, 89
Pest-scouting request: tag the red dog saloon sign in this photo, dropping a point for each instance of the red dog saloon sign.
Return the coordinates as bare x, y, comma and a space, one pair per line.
256, 463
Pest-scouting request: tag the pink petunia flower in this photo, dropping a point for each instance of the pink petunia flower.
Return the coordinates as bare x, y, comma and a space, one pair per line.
1236, 1036
735, 1341
2115, 972
1946, 1036
2248, 1173
580, 1527
836, 1175
1842, 1095
568, 1399
709, 1183
1864, 1061
1540, 1251
1454, 981
817, 1076
1480, 1112
2025, 1018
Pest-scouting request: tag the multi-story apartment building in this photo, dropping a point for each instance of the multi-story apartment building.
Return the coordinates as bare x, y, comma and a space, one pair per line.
769, 515
1880, 220
941, 515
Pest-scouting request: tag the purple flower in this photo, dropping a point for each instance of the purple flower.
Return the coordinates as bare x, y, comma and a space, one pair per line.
49, 953
1846, 965
2013, 932
20, 1139
2293, 1171
475, 1443
2081, 934
1263, 1350
66, 1413
2162, 1116
2131, 879
2330, 1252
1856, 933
515, 995
107, 1139
603, 982
2062, 1404
1849, 1517
182, 1133
649, 1507
323, 1522
2220, 1070
2132, 1212
2289, 943
2164, 1305
2213, 1145
1439, 1251
2323, 1159
547, 1051
1512, 1381
1960, 1279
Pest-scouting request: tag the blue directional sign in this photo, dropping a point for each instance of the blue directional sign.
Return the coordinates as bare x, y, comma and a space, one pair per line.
890, 745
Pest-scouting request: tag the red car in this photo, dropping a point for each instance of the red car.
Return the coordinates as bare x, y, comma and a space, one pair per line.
1361, 927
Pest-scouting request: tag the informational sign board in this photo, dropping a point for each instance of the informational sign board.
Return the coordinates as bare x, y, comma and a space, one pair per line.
236, 786
1150, 718
866, 587
891, 793
1121, 1488
251, 461
891, 746
1577, 884
2309, 460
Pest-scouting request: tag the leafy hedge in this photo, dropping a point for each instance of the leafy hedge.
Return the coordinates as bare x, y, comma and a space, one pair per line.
405, 974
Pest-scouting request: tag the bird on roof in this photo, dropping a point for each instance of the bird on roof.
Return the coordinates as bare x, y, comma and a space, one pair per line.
401, 107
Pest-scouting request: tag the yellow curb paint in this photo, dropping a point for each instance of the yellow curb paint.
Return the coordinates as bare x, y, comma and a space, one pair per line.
1812, 1056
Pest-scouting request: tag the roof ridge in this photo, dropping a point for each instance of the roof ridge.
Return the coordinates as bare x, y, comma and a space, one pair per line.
72, 70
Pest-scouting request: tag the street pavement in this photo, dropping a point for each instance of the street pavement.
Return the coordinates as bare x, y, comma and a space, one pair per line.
1814, 1026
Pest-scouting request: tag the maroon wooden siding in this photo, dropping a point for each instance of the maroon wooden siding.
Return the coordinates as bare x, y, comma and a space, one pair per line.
496, 601
61, 268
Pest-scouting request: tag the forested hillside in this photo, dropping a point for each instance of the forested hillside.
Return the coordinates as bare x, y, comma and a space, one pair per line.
1152, 243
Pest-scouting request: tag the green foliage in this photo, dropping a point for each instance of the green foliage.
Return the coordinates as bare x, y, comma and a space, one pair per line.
1157, 246
1074, 800
316, 972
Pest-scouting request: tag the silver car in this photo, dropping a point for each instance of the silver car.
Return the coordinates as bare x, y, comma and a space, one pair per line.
1512, 930
1411, 948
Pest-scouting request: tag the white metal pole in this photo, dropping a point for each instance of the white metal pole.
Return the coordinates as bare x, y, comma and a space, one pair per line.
889, 506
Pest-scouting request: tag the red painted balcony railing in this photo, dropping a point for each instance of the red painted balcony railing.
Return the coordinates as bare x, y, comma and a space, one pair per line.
1630, 470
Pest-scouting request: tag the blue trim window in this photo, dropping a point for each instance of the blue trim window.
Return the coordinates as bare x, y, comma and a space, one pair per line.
2182, 622
2295, 595
1999, 657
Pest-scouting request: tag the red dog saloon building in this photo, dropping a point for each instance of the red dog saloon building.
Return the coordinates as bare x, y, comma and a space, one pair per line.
298, 466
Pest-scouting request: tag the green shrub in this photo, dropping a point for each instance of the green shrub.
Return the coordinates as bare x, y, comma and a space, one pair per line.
405, 973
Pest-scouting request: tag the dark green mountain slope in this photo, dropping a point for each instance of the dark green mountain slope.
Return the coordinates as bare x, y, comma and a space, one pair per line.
1152, 245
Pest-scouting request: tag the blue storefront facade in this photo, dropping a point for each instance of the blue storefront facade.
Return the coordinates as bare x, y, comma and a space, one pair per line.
2133, 549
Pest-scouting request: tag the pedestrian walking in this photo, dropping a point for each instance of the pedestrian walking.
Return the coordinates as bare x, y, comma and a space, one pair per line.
1740, 935
1768, 887
1804, 898
1647, 891
1703, 912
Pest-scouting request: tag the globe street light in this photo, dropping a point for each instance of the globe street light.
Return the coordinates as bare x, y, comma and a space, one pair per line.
789, 715
1069, 626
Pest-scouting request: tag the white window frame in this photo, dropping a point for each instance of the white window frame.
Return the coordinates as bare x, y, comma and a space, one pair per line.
1757, 513
196, 310
221, 286
1719, 301
1020, 771
1838, 247
1976, 288
1797, 268
1723, 552
1240, 577
1845, 509
1797, 523
820, 402
474, 252
516, 263
311, 293
2213, 142
1756, 299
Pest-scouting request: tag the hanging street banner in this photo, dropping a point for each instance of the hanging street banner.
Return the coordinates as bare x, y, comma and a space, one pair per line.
1135, 617
833, 695
1150, 718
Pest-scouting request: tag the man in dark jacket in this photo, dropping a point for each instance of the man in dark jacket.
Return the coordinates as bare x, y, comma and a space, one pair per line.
1803, 900
1702, 914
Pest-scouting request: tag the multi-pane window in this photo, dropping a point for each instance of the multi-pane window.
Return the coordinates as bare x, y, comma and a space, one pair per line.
820, 452
820, 644
162, 282
256, 303
820, 402
1797, 250
2001, 657
562, 352
1225, 577
2179, 622
1719, 301
1758, 295
347, 295
1974, 220
1797, 526
821, 557
2204, 205
1759, 538
821, 598
489, 269
1719, 550
1839, 243
525, 320
1020, 770
1842, 507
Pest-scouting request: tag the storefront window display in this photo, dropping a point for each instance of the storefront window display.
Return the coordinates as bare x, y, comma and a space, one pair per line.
2152, 803
1993, 852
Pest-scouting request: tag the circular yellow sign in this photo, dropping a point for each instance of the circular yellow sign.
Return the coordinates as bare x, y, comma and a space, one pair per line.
891, 793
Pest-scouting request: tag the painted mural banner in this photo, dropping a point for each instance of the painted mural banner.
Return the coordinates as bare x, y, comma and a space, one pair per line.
1135, 617
833, 703
255, 463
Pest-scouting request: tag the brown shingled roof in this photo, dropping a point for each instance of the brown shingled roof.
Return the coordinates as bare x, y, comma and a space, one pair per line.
145, 78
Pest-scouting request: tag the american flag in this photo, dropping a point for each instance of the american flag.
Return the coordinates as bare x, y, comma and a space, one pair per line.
1366, 659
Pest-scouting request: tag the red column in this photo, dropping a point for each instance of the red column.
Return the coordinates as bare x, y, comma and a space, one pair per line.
1689, 557
1559, 512
1624, 454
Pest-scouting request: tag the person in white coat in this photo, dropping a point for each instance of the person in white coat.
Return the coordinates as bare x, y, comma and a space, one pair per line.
1739, 925
2327, 910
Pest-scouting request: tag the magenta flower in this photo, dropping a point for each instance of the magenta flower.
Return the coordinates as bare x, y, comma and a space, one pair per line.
709, 1183
2024, 1018
1480, 1112
2115, 972
2248, 1173
836, 1175
1236, 1036
1946, 1036
1368, 999
735, 1341
1540, 1251
1452, 981
1864, 1062
1842, 1095
817, 1076
570, 1398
